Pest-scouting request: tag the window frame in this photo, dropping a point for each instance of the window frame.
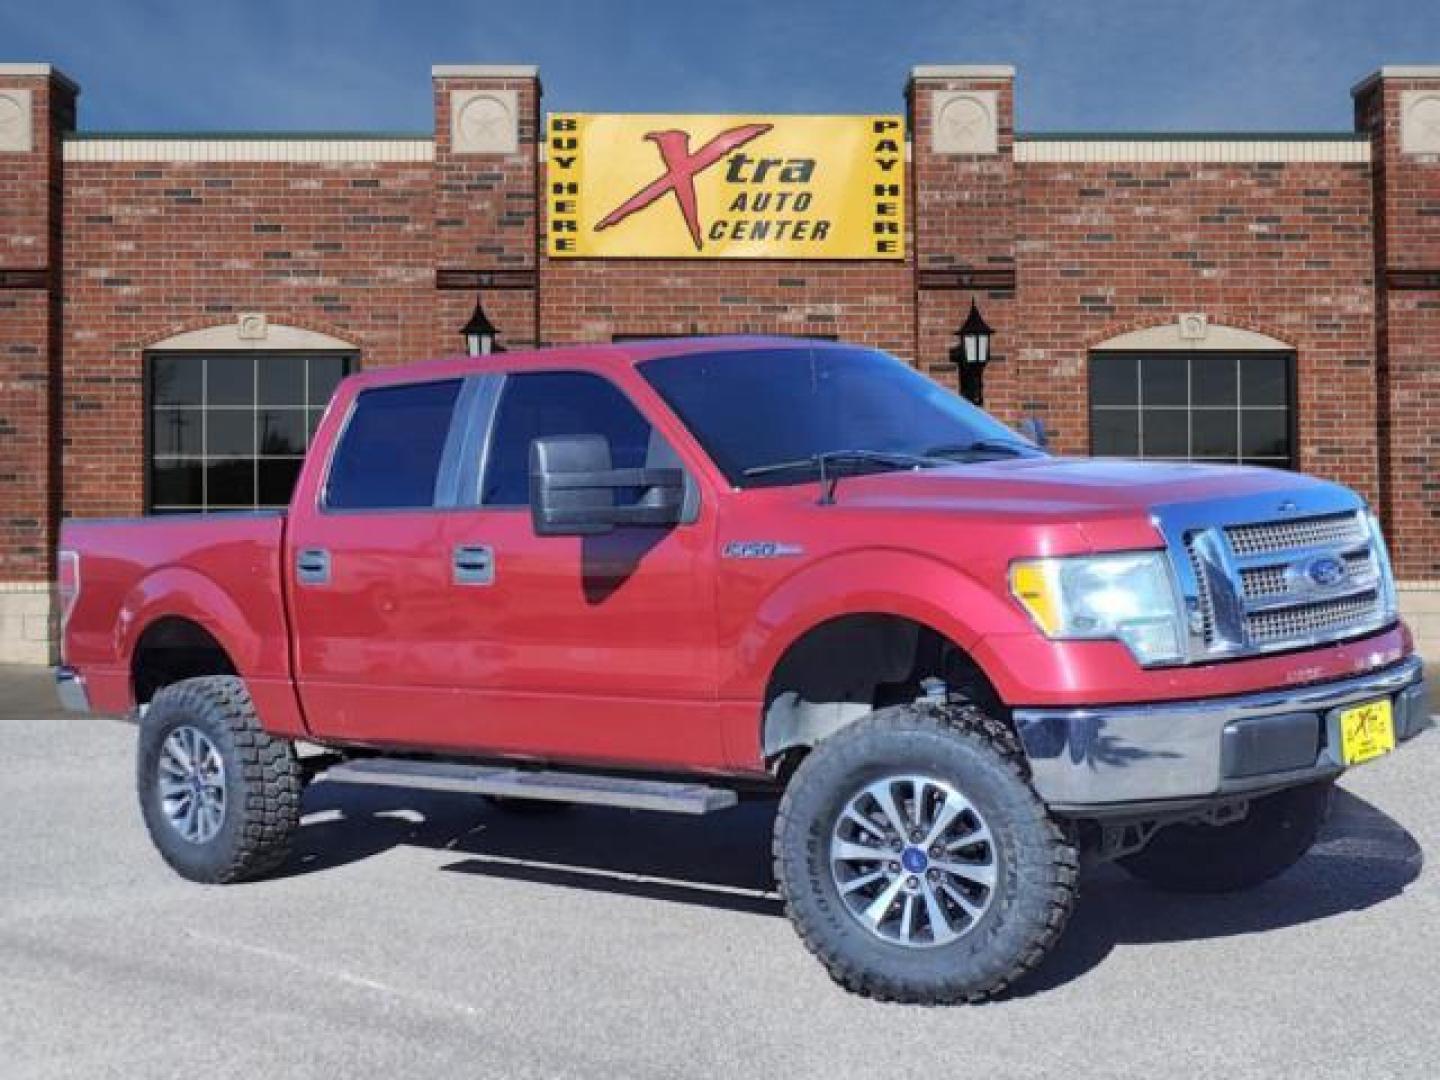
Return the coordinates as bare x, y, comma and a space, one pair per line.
350, 360
1292, 395
444, 470
477, 448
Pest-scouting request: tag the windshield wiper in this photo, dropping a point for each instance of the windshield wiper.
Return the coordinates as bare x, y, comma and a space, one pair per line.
882, 457
822, 462
980, 446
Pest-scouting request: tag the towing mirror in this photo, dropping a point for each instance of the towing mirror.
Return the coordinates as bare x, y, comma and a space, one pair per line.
574, 491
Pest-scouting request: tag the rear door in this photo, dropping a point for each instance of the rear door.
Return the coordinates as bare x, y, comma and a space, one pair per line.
368, 575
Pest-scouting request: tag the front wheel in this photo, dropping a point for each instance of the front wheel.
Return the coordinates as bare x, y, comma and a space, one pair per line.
1276, 831
220, 796
917, 863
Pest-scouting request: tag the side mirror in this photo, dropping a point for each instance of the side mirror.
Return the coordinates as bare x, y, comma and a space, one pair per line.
573, 489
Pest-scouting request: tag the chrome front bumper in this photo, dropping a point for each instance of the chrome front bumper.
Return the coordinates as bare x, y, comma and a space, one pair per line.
1107, 759
70, 689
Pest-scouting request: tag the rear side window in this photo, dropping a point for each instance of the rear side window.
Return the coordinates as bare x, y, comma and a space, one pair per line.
389, 455
542, 403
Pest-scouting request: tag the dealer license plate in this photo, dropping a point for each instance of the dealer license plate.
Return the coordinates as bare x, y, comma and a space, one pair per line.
1366, 731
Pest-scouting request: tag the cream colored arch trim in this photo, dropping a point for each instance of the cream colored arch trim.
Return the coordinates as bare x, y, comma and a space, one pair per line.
243, 336
1167, 337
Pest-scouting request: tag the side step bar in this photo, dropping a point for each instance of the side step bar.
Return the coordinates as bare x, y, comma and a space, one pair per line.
667, 796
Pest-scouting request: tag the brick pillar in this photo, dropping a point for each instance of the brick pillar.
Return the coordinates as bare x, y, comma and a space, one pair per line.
487, 241
37, 105
963, 209
1400, 109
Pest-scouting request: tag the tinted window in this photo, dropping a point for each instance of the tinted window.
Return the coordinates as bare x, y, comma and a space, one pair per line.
546, 403
761, 407
389, 455
1204, 406
229, 432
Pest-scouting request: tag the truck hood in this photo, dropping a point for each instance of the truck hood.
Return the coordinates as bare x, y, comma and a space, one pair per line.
1077, 490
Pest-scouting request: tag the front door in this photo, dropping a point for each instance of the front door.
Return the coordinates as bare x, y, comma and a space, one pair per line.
595, 648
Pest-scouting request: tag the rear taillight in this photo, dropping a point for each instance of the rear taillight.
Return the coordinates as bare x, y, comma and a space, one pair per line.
68, 585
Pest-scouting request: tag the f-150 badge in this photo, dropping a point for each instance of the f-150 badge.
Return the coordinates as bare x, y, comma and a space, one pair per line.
760, 549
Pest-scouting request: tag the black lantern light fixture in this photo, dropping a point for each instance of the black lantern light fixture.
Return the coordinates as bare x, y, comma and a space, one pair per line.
480, 333
970, 354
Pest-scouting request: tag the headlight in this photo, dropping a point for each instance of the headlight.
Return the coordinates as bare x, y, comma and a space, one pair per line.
1127, 598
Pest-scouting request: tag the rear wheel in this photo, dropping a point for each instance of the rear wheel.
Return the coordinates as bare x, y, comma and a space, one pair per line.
915, 860
1276, 831
220, 797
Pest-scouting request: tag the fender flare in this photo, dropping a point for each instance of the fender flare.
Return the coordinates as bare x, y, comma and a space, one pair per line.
180, 593
879, 581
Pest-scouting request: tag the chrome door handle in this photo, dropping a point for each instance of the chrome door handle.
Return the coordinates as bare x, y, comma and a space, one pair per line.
473, 564
312, 566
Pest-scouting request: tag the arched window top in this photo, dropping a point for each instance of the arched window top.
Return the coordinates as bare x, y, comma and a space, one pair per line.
1218, 338
227, 337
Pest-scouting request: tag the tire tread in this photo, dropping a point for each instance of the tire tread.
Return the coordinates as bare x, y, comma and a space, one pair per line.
1062, 861
269, 769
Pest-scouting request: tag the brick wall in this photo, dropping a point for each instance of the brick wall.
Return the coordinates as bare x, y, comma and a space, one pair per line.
592, 300
1284, 249
158, 248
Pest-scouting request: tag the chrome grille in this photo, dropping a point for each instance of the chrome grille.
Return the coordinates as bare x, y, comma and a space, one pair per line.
1336, 530
1360, 566
1205, 611
1284, 625
1263, 581
1262, 586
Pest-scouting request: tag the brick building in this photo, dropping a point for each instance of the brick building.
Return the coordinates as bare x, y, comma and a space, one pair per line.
174, 308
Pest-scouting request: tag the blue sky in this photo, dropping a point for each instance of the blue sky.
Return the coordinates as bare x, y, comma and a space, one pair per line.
364, 64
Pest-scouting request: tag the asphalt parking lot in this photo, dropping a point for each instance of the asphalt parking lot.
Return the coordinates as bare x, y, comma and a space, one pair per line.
418, 935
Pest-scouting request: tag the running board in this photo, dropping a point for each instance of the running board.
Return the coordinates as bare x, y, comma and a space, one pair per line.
634, 794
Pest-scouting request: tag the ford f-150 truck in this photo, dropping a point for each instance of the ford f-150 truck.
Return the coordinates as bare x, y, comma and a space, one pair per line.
662, 574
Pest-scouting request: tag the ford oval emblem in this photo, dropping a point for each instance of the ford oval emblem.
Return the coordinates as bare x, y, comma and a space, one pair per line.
1326, 571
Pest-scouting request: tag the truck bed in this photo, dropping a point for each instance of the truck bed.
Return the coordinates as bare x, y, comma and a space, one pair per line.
220, 570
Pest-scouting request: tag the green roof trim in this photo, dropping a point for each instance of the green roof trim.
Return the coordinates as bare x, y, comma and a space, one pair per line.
250, 136
1191, 136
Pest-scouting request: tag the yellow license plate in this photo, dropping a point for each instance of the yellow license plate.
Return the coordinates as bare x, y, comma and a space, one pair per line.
1366, 731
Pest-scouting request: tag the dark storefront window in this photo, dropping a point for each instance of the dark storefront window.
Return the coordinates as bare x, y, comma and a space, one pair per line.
229, 431
1201, 406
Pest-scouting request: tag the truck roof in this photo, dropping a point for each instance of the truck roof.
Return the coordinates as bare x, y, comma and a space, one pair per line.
588, 355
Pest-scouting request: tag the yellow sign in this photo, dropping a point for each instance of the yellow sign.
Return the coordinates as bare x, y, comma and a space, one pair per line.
1366, 731
729, 187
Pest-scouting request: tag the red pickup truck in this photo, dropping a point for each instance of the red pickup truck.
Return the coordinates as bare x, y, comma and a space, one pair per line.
659, 574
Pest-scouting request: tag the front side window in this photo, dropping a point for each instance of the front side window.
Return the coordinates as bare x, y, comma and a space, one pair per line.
538, 404
755, 410
1202, 406
388, 457
228, 431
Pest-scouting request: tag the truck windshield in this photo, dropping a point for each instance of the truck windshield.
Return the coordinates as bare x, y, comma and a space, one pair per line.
770, 416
